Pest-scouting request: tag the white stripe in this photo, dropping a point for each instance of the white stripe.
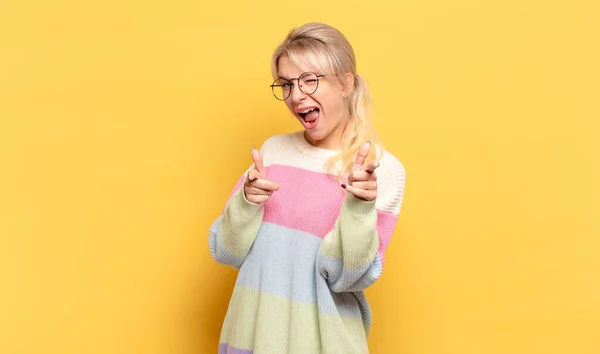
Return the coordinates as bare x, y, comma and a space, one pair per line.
292, 150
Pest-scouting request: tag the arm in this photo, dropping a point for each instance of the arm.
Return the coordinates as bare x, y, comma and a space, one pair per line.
233, 233
352, 255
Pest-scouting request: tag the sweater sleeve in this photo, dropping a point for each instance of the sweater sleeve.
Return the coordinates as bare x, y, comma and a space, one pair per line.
233, 233
352, 254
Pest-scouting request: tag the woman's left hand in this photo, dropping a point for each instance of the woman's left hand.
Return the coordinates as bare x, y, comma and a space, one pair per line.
362, 181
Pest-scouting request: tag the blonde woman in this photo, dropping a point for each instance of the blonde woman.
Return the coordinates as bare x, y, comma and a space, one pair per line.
308, 223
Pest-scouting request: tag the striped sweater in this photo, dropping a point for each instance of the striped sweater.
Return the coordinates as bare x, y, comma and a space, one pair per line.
305, 256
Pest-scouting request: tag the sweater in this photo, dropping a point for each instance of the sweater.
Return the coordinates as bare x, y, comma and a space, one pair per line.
305, 256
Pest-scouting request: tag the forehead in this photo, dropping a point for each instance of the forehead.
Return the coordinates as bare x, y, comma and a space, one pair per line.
287, 69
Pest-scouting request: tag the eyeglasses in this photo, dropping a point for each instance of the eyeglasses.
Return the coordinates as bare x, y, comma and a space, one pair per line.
307, 83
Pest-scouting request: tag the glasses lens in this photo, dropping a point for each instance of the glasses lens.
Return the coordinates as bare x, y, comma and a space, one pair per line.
309, 83
281, 89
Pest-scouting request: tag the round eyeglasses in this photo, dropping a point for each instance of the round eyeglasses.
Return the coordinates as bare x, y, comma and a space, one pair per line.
307, 83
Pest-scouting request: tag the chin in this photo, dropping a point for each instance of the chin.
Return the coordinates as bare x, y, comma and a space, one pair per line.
316, 137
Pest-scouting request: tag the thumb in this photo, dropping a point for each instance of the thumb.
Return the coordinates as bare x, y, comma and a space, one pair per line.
363, 152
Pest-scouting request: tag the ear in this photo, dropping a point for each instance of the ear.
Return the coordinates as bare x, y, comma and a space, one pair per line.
347, 84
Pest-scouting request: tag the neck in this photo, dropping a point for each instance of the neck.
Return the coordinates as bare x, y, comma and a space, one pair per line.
328, 143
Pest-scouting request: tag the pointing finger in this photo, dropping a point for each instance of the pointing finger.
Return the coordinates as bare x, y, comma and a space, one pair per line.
258, 161
363, 152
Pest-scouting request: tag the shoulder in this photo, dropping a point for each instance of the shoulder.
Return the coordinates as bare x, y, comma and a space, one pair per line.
391, 167
391, 180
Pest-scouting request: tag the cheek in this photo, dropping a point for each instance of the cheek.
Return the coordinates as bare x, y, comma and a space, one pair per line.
334, 107
288, 103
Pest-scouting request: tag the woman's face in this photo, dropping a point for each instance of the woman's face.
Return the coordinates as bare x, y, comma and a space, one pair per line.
324, 112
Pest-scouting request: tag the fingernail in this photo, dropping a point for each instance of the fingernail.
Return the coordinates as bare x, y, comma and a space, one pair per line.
343, 186
252, 148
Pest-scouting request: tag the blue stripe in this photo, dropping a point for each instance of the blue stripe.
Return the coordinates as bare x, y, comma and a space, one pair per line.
282, 262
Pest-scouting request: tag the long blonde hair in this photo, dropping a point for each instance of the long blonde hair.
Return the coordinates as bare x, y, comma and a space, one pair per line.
326, 49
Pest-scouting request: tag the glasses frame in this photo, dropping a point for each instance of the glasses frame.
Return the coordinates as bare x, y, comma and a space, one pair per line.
274, 86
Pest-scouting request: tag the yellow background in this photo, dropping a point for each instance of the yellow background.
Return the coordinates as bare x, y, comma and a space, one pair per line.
124, 126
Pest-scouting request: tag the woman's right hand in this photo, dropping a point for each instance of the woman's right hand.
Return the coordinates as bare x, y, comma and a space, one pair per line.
257, 188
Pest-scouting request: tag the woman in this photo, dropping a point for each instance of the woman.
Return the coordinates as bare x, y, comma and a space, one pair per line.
308, 224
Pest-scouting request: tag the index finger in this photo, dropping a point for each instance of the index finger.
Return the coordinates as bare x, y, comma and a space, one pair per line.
258, 161
363, 152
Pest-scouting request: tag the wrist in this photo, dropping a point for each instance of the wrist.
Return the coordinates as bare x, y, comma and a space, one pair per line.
358, 206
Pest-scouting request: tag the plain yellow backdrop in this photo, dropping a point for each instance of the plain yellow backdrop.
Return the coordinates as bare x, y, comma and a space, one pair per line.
124, 126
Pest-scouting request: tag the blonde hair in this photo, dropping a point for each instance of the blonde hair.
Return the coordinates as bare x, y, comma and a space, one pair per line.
324, 48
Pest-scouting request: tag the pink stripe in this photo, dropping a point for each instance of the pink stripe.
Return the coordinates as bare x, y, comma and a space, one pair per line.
316, 199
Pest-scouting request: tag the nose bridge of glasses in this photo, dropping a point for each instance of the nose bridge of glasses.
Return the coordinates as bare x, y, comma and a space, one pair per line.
298, 84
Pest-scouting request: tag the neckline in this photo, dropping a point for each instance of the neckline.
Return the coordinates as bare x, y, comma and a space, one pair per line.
310, 150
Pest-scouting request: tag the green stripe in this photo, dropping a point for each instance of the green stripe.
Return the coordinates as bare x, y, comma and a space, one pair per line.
360, 242
343, 335
270, 324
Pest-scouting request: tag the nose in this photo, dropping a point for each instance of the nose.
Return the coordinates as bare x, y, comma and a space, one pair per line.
297, 95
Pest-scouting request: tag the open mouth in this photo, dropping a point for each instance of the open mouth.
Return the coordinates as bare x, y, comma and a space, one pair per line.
306, 112
310, 117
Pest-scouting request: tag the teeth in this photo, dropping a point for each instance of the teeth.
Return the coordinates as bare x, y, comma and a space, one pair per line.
306, 111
